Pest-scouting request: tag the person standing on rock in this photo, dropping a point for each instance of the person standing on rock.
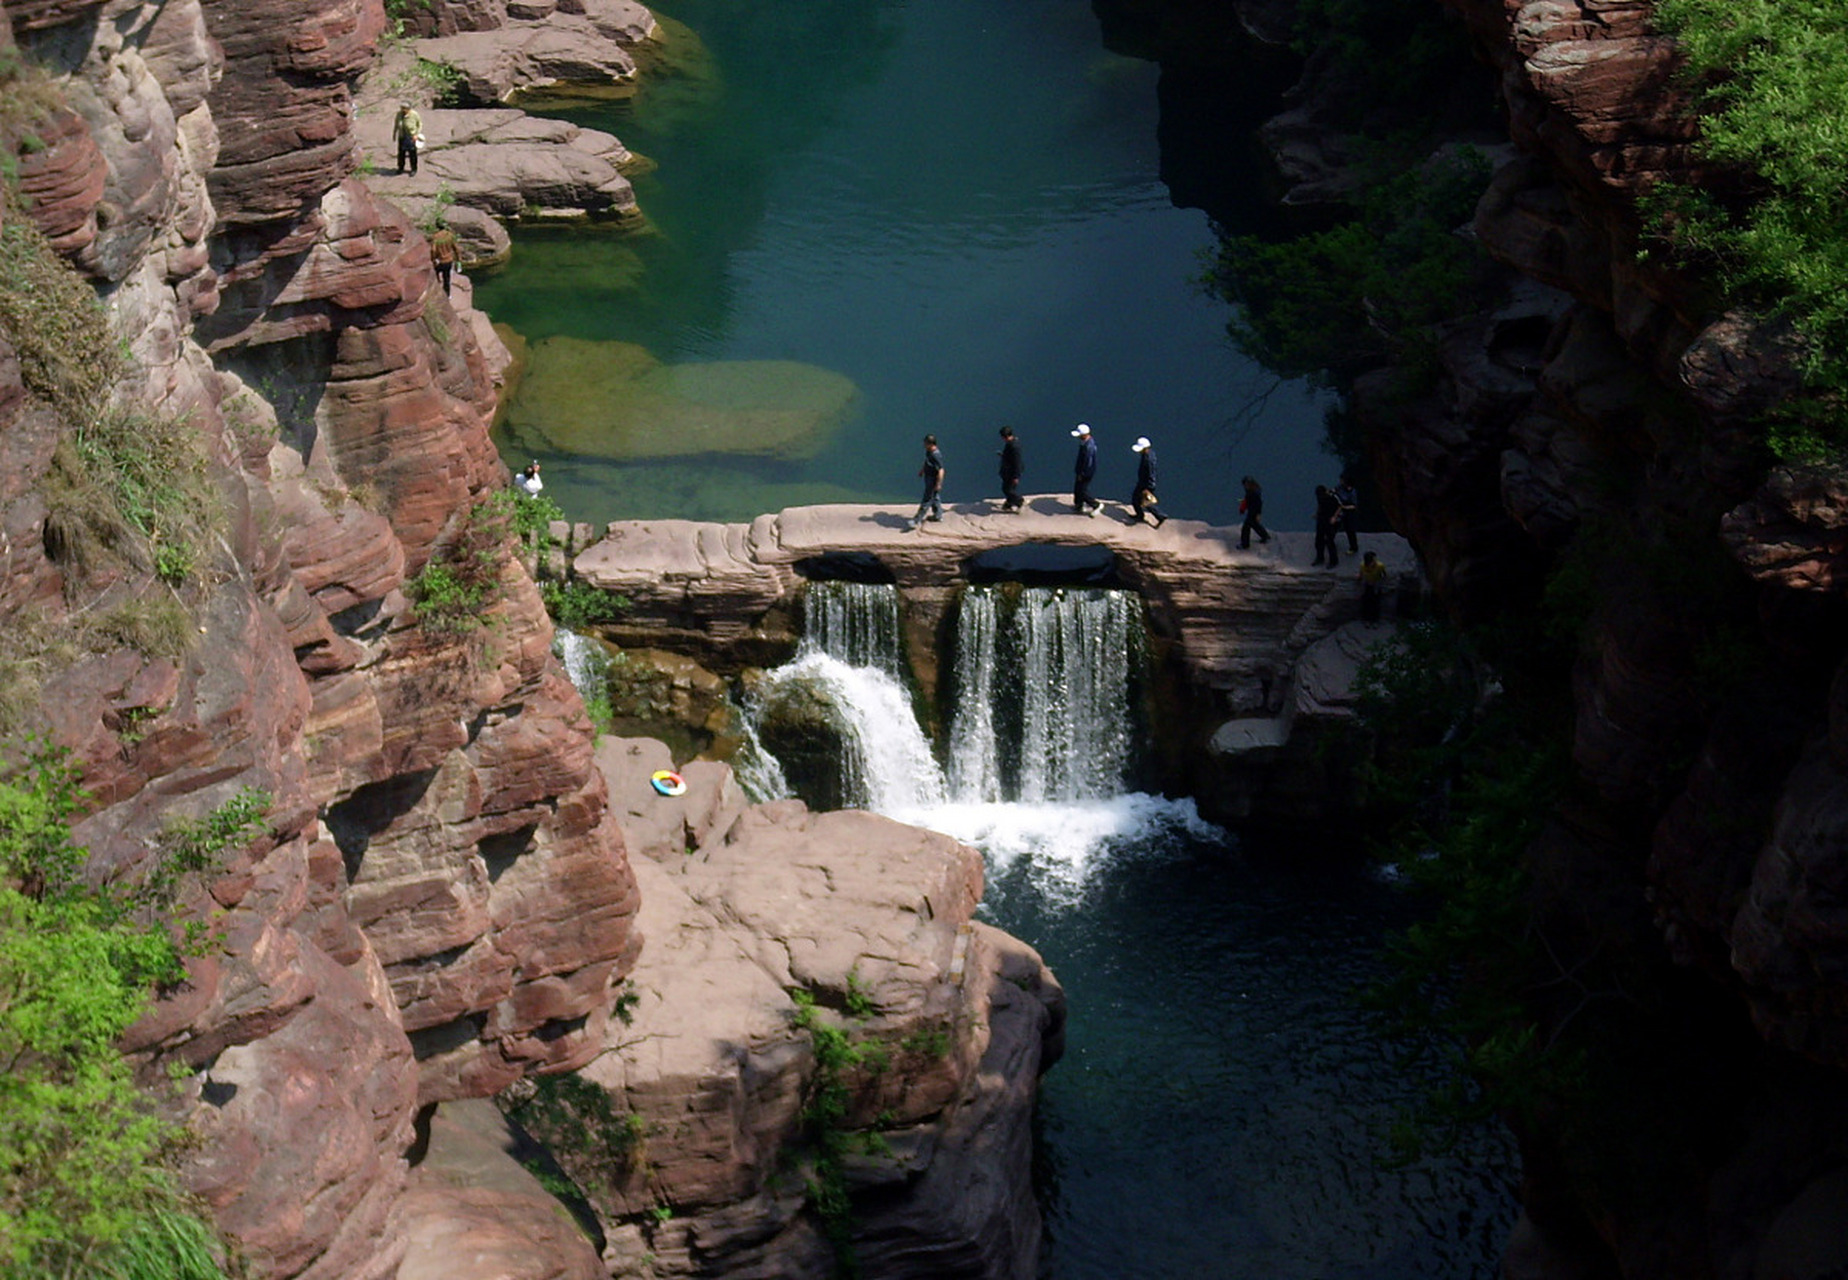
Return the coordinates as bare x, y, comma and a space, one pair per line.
1144, 499
443, 252
1327, 516
1372, 586
1084, 470
528, 481
1349, 498
1010, 471
407, 132
1252, 507
932, 473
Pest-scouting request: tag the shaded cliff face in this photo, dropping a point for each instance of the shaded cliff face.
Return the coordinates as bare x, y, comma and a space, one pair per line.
1604, 420
439, 905
1602, 427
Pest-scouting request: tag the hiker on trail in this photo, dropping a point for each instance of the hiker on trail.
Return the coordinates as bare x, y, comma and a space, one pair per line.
1144, 499
1327, 516
932, 473
1084, 470
1251, 506
1010, 471
443, 252
407, 132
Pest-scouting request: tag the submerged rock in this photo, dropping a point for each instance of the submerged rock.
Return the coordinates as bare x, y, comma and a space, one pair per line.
615, 400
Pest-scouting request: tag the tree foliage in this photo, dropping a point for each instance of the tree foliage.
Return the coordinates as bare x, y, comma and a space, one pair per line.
1771, 80
1331, 304
85, 1187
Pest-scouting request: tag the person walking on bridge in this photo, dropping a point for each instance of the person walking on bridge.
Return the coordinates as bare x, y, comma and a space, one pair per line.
1010, 471
1084, 470
1327, 517
1143, 500
1252, 505
932, 474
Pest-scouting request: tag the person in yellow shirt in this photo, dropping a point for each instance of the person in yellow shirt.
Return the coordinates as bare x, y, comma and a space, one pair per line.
1372, 586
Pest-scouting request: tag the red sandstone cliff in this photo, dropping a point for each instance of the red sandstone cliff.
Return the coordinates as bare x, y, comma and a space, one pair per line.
439, 905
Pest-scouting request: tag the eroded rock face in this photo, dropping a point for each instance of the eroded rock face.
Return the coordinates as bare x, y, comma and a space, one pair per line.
711, 1080
436, 904
1628, 433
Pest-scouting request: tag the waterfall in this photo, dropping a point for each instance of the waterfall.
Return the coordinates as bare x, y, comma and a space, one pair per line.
975, 755
1041, 741
856, 622
849, 665
1076, 725
585, 661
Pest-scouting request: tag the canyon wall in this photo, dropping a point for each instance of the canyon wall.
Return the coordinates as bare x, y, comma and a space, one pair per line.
1602, 425
438, 905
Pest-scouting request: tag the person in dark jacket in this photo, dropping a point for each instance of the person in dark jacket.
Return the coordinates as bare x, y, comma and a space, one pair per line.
1327, 517
932, 474
1010, 470
1252, 505
1084, 470
1144, 499
1349, 498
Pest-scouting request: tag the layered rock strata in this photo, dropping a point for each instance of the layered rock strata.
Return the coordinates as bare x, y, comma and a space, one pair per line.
437, 905
717, 1078
1609, 417
1235, 620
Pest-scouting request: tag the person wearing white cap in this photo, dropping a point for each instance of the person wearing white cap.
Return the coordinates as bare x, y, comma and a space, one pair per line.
1144, 499
1084, 471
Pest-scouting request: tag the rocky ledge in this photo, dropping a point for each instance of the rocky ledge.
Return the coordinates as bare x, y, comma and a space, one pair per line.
773, 934
1234, 621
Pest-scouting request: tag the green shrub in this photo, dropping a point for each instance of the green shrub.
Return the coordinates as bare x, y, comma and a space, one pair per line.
1770, 78
86, 1187
53, 320
1332, 304
463, 577
579, 605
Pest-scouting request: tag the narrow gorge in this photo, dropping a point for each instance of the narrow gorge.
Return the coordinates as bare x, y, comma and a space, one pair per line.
466, 995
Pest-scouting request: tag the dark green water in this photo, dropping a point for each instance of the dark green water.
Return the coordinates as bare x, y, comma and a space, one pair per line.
948, 215
1222, 1106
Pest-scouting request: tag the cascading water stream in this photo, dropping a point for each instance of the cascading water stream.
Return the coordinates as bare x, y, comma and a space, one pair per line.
1041, 742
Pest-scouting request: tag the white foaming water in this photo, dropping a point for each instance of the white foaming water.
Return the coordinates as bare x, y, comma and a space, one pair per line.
1065, 846
1055, 673
975, 753
584, 659
886, 763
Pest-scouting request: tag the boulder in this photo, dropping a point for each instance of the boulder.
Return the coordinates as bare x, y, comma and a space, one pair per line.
709, 1079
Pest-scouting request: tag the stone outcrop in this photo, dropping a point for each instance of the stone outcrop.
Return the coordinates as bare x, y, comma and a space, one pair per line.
1609, 421
715, 1073
1234, 621
437, 905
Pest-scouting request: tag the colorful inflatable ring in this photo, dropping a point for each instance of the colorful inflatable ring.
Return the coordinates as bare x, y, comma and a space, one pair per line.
668, 783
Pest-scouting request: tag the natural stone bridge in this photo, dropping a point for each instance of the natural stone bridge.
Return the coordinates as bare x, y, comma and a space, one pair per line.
1232, 623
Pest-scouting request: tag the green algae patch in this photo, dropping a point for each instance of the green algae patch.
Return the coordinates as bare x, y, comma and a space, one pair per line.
615, 400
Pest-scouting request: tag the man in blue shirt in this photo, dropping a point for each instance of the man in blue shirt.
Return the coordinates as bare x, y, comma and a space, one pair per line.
932, 473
